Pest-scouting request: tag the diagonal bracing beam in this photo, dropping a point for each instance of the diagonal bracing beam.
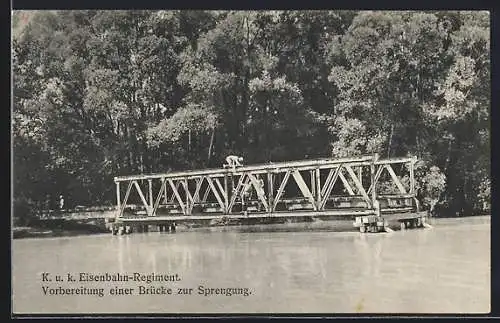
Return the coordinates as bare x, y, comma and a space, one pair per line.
172, 197
328, 187
216, 193
303, 188
375, 180
186, 189
281, 189
346, 184
358, 184
328, 179
207, 191
189, 197
125, 199
177, 196
143, 199
241, 182
395, 179
196, 195
163, 191
224, 193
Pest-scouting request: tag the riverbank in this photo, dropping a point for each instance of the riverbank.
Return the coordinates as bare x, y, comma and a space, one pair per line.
63, 228
46, 228
57, 228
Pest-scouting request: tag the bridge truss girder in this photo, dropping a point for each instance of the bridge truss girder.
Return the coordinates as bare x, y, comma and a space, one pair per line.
221, 190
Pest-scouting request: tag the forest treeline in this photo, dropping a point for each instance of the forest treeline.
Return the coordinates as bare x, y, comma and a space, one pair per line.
98, 94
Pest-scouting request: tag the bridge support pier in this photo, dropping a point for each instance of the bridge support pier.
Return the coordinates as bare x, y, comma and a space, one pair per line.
370, 223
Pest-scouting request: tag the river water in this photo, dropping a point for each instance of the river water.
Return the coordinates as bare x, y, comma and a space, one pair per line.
445, 269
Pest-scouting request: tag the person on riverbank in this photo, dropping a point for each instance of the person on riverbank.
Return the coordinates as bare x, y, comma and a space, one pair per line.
61, 202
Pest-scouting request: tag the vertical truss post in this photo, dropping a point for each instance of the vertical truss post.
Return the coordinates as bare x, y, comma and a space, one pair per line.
118, 201
165, 197
412, 175
360, 174
226, 195
270, 191
188, 196
163, 190
373, 179
313, 182
150, 195
318, 187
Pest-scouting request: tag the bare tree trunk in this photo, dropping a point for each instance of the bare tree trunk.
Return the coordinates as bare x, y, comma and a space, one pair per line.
417, 141
130, 149
141, 160
390, 141
210, 146
448, 156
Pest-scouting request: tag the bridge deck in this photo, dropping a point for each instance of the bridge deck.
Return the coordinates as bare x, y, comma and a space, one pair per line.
390, 214
253, 215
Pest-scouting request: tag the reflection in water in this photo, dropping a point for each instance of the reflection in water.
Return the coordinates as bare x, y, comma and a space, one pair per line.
445, 269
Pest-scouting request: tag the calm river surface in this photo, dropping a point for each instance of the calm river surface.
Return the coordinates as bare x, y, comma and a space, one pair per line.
445, 269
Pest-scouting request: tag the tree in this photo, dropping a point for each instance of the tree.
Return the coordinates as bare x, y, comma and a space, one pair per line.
404, 80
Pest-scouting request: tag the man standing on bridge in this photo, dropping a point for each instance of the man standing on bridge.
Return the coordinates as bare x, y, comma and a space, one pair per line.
233, 162
245, 196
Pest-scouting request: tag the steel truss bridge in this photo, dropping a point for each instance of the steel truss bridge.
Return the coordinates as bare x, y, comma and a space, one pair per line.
359, 186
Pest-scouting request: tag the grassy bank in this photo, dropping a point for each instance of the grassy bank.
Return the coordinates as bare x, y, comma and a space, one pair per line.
57, 228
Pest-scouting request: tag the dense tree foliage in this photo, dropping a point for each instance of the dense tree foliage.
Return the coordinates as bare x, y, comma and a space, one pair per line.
102, 93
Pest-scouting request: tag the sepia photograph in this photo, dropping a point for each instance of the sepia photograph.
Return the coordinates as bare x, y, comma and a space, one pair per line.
250, 162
